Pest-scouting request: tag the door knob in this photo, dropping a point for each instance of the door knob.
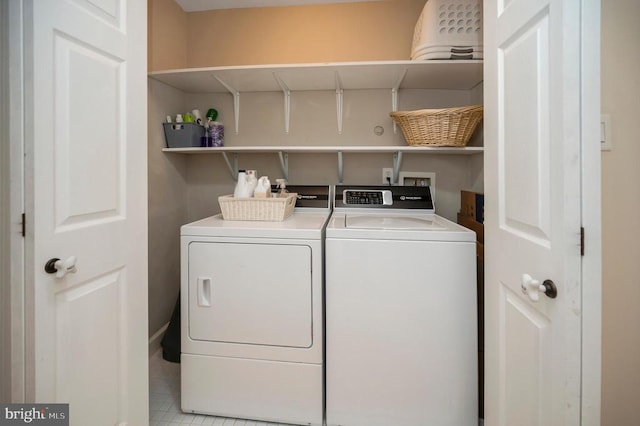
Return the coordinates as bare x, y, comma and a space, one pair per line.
533, 288
60, 267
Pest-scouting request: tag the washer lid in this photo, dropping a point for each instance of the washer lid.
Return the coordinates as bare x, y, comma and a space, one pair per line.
396, 225
392, 222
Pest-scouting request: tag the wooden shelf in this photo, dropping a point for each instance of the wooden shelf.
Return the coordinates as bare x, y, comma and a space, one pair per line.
469, 150
284, 151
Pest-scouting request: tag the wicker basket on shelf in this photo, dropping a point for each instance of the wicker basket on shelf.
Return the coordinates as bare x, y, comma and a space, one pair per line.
439, 127
261, 209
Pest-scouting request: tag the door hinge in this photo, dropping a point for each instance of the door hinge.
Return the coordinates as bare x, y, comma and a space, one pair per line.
24, 225
581, 241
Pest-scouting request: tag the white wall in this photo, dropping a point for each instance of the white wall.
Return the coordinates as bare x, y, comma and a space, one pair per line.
620, 206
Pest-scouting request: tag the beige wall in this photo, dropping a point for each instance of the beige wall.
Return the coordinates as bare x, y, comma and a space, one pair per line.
620, 207
322, 33
167, 35
167, 202
381, 30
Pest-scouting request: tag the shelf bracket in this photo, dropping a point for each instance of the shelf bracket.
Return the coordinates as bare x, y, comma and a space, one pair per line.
397, 163
284, 164
339, 101
236, 101
287, 101
233, 169
340, 167
394, 96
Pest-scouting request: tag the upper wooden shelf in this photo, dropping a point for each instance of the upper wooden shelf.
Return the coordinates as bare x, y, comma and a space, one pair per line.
446, 74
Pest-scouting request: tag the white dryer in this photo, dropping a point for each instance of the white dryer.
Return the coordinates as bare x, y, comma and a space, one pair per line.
252, 314
401, 337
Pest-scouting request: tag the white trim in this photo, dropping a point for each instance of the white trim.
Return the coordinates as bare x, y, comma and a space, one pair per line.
156, 339
591, 215
5, 250
27, 100
12, 205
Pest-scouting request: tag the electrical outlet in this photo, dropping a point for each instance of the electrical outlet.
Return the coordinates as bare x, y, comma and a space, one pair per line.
387, 175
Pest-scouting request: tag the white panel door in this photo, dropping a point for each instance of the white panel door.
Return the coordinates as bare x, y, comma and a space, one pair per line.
86, 144
533, 212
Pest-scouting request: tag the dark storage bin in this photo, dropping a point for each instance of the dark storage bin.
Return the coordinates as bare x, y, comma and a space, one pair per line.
171, 339
182, 135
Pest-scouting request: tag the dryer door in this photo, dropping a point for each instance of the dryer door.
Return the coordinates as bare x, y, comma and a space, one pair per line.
241, 293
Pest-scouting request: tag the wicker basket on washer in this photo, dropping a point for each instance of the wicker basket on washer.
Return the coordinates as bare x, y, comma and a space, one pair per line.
439, 127
262, 209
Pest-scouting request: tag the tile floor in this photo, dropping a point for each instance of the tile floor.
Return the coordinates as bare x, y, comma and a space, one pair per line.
164, 399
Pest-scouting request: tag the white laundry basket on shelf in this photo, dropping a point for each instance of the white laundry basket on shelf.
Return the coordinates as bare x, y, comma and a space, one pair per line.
448, 29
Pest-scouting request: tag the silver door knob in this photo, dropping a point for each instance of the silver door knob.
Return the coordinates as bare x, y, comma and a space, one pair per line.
60, 267
533, 288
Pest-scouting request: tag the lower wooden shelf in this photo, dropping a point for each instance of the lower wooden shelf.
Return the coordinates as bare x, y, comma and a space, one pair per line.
283, 151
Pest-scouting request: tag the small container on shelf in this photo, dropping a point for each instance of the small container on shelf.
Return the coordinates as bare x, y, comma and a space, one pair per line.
215, 133
182, 135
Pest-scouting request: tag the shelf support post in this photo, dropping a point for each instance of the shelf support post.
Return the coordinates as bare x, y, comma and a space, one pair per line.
339, 101
340, 167
236, 101
233, 169
397, 162
284, 164
287, 101
394, 96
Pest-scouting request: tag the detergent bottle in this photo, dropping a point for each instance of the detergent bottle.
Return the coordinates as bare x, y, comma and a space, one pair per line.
263, 189
242, 189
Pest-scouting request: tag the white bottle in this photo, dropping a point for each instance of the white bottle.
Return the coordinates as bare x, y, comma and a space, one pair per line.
263, 189
240, 191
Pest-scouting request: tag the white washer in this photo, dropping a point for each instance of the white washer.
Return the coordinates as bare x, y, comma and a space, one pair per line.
252, 314
401, 338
